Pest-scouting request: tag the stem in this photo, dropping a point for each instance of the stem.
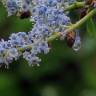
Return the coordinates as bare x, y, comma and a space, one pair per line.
82, 21
75, 6
74, 26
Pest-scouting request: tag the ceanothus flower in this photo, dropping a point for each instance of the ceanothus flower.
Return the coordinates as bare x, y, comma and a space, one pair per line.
11, 7
19, 39
31, 58
16, 6
49, 18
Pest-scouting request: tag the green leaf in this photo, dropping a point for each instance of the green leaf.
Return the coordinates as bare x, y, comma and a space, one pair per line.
91, 27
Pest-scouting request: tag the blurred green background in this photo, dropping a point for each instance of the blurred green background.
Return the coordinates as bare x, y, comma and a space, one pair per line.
62, 72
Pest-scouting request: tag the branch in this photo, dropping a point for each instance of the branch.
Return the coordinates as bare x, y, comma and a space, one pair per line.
75, 6
74, 26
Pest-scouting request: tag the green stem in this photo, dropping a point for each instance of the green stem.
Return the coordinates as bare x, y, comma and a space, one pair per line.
82, 21
74, 26
75, 6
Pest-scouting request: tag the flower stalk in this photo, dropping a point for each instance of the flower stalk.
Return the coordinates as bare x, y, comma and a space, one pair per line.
30, 44
76, 5
74, 26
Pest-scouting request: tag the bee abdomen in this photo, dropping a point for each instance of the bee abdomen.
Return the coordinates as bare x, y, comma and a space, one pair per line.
70, 38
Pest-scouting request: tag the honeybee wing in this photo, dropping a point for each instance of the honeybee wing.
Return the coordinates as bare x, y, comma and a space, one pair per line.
77, 43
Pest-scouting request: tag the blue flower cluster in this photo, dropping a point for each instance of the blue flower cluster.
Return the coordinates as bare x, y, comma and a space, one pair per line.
22, 44
15, 6
49, 18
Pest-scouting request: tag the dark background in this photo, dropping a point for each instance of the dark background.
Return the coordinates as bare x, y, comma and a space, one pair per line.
62, 72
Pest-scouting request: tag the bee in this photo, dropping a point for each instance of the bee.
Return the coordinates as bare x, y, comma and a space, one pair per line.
70, 38
24, 15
